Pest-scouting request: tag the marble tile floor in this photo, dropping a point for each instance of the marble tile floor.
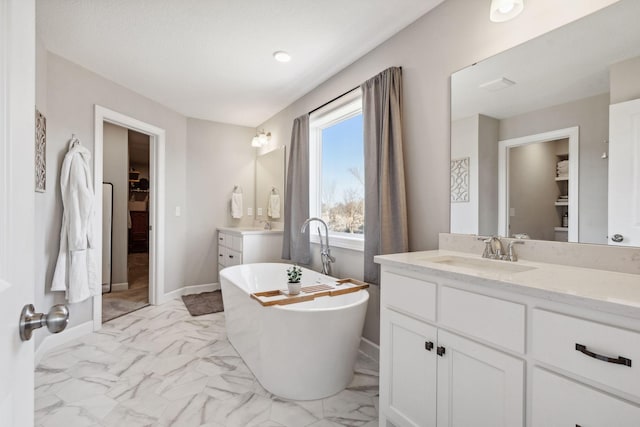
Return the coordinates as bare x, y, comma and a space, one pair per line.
118, 303
159, 366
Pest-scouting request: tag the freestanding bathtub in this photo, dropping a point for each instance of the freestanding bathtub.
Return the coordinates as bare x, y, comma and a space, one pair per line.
303, 351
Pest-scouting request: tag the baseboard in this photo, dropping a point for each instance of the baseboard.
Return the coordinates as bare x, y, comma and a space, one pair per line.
188, 290
370, 349
115, 287
55, 340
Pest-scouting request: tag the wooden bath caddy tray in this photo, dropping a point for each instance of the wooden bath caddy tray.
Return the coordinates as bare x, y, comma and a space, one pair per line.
308, 293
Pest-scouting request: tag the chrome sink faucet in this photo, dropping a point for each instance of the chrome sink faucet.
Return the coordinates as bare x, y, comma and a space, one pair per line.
325, 250
494, 249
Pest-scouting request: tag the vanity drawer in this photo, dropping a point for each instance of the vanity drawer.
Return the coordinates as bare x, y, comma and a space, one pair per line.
560, 402
224, 239
413, 296
493, 320
233, 257
223, 256
556, 338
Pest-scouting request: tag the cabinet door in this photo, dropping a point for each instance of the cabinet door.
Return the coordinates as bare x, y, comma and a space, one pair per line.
478, 386
407, 370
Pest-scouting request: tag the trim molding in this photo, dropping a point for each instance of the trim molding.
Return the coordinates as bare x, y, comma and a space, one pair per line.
370, 349
157, 137
119, 286
188, 290
56, 340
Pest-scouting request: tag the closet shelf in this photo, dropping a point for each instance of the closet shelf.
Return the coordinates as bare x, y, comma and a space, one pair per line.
562, 178
565, 229
561, 204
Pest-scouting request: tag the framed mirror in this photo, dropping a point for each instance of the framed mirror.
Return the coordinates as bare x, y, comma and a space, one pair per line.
270, 185
531, 152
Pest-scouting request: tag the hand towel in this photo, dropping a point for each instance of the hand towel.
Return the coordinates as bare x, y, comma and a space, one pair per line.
236, 205
273, 210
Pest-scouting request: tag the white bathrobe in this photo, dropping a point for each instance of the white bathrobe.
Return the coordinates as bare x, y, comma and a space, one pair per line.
76, 268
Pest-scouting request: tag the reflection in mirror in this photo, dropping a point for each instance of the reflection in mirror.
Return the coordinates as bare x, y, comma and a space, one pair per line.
270, 187
503, 110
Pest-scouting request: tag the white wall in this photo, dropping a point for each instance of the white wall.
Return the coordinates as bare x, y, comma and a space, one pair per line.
624, 81
464, 143
592, 116
116, 171
71, 92
454, 35
488, 175
219, 156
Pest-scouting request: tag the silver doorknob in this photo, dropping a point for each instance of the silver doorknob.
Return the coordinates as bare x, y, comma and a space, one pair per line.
56, 320
617, 238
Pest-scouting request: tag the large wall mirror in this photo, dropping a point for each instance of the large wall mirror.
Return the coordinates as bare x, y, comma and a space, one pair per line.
270, 185
545, 137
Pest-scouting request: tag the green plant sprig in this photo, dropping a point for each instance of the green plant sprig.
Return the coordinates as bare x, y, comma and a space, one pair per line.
294, 274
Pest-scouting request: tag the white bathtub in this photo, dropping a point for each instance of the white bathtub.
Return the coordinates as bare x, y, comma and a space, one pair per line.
303, 351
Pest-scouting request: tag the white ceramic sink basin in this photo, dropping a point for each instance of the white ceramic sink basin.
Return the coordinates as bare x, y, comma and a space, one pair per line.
480, 264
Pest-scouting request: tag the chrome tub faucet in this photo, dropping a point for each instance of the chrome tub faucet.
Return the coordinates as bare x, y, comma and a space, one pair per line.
325, 250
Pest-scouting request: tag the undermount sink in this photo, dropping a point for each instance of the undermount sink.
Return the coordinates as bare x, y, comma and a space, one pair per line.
480, 264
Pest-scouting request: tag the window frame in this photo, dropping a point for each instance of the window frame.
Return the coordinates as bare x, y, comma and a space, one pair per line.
343, 108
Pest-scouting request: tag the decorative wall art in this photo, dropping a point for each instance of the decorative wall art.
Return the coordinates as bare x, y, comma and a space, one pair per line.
41, 151
460, 180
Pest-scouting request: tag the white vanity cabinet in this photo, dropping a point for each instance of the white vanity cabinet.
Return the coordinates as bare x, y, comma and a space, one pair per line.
460, 348
428, 373
245, 246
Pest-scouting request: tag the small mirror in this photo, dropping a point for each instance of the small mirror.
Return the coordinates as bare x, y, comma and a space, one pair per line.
270, 185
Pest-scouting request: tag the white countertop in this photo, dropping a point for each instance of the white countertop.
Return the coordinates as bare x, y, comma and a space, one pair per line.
249, 230
617, 293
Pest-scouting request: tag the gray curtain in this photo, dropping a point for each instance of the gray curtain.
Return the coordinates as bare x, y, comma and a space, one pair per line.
385, 221
295, 245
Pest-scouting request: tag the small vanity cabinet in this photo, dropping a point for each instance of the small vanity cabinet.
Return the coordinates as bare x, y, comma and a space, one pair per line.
248, 245
458, 349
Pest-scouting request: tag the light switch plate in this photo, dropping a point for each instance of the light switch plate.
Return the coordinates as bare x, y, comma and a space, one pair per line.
249, 211
259, 211
177, 210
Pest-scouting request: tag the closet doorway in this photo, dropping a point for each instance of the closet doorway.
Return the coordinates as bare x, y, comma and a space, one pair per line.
143, 243
125, 220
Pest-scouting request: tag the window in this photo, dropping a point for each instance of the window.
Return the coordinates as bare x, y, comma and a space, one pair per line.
337, 170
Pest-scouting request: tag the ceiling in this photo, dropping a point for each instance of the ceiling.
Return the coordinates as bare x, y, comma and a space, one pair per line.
212, 59
561, 66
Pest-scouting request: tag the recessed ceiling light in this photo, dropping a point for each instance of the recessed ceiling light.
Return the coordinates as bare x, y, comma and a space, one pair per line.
504, 10
282, 56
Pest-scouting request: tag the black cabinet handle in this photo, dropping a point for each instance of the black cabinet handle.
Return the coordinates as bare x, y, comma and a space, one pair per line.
618, 361
220, 255
440, 351
230, 256
428, 345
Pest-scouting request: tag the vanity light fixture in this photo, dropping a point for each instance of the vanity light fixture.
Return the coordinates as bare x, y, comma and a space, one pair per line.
261, 139
504, 10
281, 56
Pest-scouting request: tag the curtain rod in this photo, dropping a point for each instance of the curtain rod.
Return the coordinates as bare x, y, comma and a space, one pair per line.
331, 100
337, 97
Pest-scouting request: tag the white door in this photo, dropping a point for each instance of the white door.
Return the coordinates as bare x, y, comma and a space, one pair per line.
408, 369
478, 386
624, 173
17, 101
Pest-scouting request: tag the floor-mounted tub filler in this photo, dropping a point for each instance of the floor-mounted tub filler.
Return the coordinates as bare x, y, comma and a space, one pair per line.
302, 351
